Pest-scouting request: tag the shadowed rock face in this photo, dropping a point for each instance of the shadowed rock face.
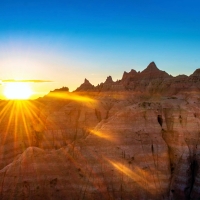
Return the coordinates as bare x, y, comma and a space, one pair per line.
110, 144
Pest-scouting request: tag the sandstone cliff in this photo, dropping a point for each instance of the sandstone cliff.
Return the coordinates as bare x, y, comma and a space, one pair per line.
137, 138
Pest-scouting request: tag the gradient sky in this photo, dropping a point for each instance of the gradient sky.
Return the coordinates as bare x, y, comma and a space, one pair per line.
67, 41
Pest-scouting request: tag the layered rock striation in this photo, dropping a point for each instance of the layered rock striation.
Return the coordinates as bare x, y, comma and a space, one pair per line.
136, 138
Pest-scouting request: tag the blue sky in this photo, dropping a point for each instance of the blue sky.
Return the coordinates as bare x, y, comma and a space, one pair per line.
67, 41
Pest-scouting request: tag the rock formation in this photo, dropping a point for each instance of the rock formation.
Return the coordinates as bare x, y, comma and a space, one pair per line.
85, 86
136, 138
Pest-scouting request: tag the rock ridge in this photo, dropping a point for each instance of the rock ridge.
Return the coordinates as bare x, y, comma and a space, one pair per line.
149, 81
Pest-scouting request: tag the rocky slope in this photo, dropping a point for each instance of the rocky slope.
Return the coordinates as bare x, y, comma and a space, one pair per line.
136, 138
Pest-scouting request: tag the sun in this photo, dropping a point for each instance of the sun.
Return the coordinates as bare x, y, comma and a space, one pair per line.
17, 90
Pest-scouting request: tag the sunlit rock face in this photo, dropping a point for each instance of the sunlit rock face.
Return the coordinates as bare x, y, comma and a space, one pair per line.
136, 138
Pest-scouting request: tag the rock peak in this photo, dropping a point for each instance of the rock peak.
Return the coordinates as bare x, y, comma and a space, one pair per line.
153, 72
152, 66
196, 72
86, 81
85, 86
109, 79
128, 75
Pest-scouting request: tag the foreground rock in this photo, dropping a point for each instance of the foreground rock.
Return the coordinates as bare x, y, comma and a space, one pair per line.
131, 143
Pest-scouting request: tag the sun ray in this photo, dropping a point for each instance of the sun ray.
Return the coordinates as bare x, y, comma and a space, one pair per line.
15, 126
5, 109
12, 111
24, 121
144, 178
72, 96
103, 135
17, 131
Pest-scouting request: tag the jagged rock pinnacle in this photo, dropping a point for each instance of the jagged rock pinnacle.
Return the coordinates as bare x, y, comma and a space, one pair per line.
152, 66
109, 80
86, 81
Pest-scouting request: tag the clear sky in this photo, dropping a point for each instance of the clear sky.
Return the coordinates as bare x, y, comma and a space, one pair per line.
66, 41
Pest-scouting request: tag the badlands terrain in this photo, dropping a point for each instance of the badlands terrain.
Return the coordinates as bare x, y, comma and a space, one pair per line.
135, 138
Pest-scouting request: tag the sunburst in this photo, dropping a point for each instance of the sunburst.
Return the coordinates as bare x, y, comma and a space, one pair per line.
17, 90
